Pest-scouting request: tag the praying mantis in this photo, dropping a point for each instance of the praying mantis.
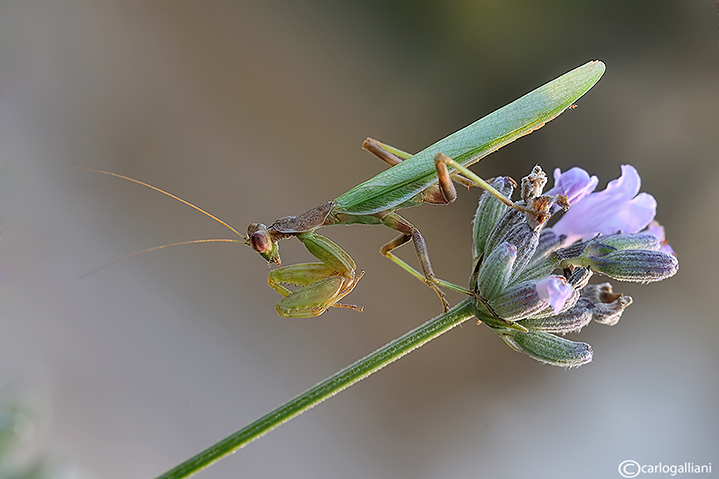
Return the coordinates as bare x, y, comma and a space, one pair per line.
411, 180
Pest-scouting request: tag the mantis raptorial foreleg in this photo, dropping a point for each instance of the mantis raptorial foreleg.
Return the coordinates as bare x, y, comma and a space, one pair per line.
321, 285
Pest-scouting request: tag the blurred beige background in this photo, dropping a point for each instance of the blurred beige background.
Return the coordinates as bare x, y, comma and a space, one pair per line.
255, 110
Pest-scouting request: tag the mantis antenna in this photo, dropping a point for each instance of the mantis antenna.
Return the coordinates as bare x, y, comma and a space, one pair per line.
243, 239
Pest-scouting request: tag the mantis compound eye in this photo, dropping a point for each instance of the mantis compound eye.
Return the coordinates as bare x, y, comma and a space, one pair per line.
260, 239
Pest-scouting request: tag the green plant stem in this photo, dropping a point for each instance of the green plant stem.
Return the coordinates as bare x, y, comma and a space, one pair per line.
327, 388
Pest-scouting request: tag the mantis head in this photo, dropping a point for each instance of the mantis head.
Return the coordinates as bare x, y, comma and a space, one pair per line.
262, 241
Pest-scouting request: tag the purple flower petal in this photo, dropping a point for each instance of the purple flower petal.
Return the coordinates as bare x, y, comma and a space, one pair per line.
617, 208
555, 291
657, 230
575, 183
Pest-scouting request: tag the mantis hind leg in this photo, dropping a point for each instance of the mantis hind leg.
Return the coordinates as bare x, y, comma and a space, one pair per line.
393, 156
441, 158
389, 154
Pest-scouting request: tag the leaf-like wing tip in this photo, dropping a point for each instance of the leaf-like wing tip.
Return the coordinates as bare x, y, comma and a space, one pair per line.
580, 80
598, 66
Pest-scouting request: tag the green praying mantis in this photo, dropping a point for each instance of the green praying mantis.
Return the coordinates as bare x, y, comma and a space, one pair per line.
411, 180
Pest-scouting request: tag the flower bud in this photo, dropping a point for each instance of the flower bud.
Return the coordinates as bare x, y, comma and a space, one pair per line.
645, 241
641, 266
539, 270
521, 300
568, 321
525, 239
513, 229
489, 211
495, 270
569, 253
549, 241
548, 348
507, 222
518, 301
579, 278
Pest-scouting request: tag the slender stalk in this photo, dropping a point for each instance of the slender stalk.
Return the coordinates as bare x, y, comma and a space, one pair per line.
327, 388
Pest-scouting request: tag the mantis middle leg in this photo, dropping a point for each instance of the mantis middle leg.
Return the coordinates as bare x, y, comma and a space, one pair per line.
409, 232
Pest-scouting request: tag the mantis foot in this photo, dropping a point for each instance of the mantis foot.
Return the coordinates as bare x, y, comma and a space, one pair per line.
432, 283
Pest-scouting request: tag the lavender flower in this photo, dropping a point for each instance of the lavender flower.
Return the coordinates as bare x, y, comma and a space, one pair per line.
532, 283
619, 207
575, 183
554, 291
